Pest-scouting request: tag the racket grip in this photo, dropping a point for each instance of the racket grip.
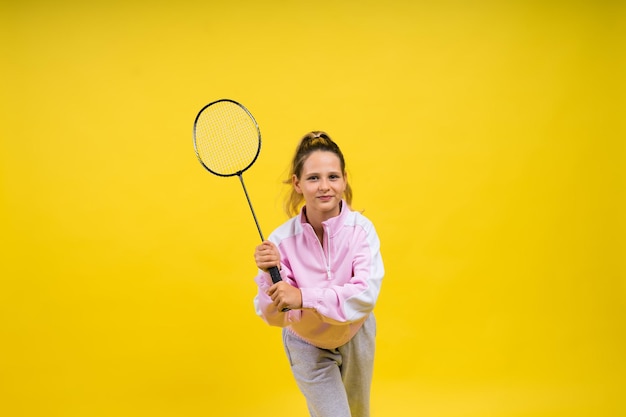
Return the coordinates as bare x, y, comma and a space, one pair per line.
275, 274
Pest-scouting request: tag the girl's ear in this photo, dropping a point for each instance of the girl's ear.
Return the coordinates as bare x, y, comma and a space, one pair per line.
296, 184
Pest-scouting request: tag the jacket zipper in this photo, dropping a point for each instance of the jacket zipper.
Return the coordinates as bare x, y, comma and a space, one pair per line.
328, 272
325, 258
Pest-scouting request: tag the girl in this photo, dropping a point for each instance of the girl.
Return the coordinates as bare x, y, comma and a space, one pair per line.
329, 260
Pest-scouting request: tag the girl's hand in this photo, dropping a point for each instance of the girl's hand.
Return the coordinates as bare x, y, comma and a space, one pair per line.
266, 255
285, 297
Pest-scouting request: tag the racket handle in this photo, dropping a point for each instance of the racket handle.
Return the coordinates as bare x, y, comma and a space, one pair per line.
275, 274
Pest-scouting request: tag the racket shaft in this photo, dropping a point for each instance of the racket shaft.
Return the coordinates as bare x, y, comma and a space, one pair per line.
274, 272
256, 221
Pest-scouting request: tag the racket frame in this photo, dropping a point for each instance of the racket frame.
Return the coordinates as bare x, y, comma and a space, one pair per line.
195, 145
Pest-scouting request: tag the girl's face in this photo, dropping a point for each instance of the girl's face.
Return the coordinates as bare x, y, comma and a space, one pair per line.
322, 184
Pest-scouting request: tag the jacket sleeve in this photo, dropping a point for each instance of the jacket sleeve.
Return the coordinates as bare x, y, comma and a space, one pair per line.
354, 300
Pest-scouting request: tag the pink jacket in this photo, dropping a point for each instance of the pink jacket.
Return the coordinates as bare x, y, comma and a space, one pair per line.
340, 281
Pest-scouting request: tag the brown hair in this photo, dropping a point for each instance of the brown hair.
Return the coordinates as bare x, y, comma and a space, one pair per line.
311, 142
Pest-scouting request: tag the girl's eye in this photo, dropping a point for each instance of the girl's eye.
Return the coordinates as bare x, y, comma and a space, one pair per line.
312, 178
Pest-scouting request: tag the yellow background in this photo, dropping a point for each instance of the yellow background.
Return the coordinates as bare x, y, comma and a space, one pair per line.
486, 141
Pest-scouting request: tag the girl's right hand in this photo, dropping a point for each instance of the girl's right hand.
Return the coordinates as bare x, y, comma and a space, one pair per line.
266, 255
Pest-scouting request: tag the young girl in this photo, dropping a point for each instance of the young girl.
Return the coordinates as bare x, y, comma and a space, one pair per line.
329, 260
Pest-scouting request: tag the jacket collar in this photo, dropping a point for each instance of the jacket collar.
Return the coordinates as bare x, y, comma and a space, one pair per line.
334, 224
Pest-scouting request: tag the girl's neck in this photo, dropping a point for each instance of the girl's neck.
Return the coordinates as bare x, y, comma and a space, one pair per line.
316, 224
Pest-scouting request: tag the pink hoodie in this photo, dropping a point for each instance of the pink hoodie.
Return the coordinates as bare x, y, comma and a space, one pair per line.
339, 282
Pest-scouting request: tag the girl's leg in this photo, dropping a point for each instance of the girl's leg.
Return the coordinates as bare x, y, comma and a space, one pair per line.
317, 372
356, 370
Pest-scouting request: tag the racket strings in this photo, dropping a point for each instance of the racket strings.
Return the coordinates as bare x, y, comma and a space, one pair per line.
227, 138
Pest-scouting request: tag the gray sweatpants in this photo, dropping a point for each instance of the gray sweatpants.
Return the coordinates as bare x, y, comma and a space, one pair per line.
335, 382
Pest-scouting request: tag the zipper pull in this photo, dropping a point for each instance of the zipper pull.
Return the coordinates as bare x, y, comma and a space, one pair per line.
328, 273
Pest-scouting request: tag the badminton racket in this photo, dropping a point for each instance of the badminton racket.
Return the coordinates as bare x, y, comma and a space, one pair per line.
227, 141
